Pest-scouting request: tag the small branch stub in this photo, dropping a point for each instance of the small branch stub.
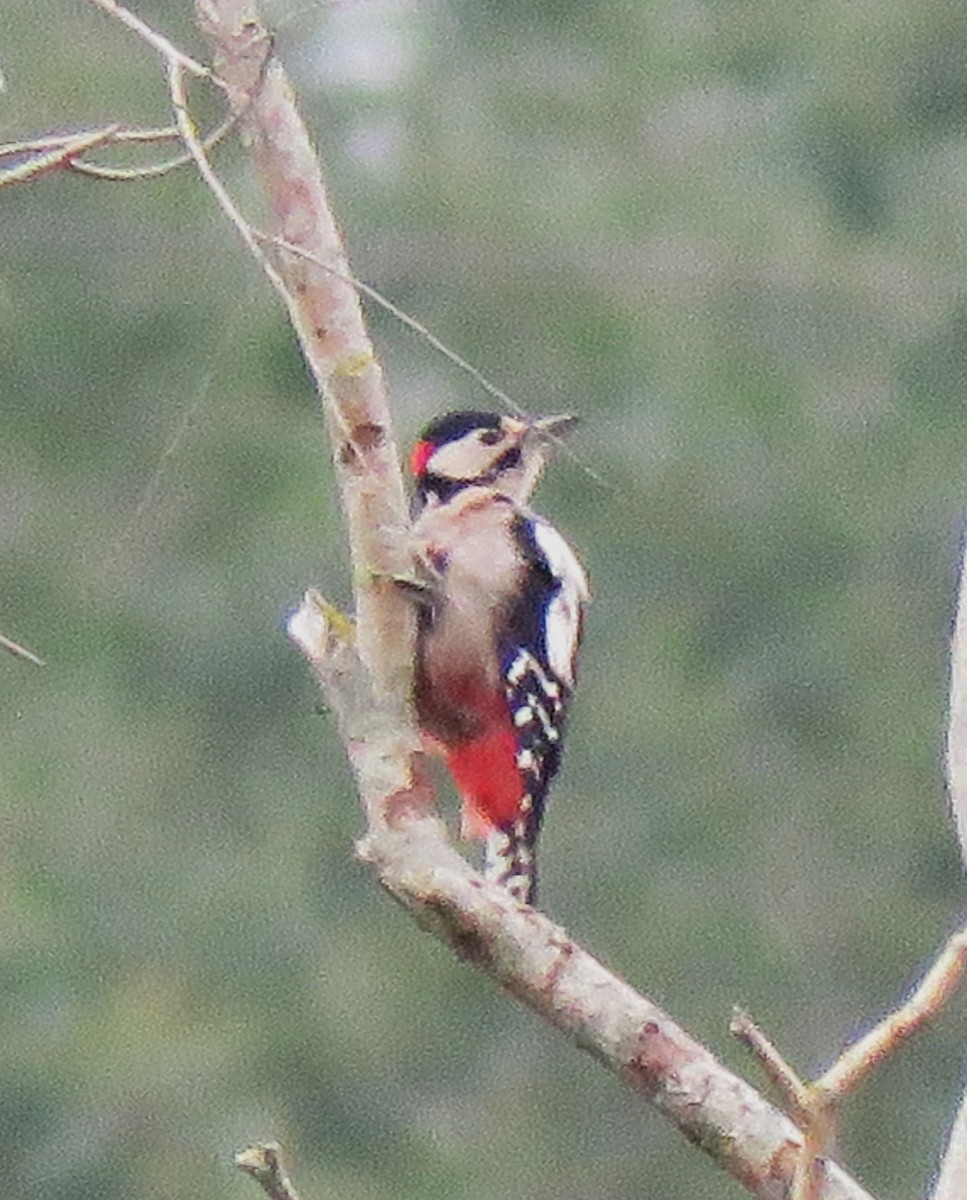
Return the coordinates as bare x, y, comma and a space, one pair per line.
263, 1163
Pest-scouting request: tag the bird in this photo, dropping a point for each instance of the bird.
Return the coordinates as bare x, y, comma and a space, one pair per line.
499, 627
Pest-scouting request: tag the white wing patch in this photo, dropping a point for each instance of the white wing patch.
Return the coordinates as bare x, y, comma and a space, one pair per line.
563, 620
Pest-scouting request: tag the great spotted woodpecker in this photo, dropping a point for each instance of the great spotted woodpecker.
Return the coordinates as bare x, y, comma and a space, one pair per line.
498, 633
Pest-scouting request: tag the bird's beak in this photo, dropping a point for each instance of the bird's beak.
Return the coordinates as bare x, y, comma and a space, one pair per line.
549, 428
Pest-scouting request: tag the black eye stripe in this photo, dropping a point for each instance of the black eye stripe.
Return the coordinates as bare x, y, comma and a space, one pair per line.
490, 437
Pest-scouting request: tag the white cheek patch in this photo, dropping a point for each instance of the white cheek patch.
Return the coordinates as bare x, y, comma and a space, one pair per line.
563, 622
465, 457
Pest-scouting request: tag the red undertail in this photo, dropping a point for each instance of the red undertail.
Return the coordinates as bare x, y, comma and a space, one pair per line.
485, 772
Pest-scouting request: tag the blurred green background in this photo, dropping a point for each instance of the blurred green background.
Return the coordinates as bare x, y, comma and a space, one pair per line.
731, 236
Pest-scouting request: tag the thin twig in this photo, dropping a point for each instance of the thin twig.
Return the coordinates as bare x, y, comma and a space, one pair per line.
807, 1183
59, 156
929, 997
67, 150
775, 1067
155, 170
813, 1110
262, 1162
20, 651
167, 49
402, 316
423, 331
53, 140
57, 141
195, 148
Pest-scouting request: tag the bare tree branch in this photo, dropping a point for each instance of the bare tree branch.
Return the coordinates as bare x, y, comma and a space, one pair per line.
541, 966
813, 1110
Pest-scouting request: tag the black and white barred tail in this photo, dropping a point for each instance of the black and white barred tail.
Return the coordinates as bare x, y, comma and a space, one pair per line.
510, 856
537, 700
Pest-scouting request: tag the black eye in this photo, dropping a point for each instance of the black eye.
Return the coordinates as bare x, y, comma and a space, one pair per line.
490, 437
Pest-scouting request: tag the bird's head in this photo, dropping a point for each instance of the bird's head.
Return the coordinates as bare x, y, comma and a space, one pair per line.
482, 449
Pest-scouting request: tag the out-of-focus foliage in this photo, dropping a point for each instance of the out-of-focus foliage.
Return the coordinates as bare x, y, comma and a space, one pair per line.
730, 235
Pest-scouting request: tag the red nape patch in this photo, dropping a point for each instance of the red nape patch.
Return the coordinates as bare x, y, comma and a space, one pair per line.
420, 455
485, 772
